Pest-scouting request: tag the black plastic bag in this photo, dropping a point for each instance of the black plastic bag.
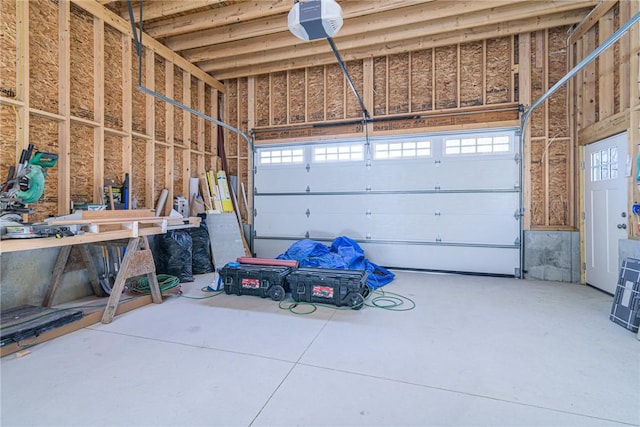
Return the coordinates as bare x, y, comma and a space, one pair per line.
173, 255
201, 249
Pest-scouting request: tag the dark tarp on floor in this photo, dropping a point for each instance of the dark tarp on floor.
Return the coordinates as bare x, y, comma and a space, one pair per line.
344, 253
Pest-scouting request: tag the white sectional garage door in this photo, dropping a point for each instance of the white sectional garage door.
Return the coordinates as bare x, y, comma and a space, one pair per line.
433, 201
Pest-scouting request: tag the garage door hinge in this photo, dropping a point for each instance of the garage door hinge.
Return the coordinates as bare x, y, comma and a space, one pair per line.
368, 212
308, 189
517, 158
255, 212
517, 241
306, 235
307, 213
308, 167
518, 213
438, 239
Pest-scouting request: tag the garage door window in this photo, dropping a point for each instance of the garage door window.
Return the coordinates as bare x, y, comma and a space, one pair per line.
479, 145
336, 153
395, 150
268, 157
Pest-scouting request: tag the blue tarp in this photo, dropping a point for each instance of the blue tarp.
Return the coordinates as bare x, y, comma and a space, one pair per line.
344, 253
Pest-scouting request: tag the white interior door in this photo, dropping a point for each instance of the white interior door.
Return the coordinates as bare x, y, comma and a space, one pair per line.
605, 187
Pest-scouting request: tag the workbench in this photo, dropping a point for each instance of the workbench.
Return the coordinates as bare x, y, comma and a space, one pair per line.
137, 260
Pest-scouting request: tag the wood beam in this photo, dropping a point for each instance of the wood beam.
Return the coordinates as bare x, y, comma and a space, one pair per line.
277, 24
284, 46
590, 20
419, 20
445, 39
158, 9
240, 12
359, 49
123, 26
64, 108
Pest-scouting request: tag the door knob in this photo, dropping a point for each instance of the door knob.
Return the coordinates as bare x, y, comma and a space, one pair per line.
622, 226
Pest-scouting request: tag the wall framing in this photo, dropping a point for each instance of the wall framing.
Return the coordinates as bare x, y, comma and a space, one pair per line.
78, 99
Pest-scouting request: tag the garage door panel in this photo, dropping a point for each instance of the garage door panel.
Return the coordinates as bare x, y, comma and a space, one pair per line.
408, 175
446, 258
352, 176
441, 210
281, 179
478, 173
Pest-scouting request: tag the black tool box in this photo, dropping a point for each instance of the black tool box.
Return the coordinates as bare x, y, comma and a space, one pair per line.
626, 301
329, 286
259, 280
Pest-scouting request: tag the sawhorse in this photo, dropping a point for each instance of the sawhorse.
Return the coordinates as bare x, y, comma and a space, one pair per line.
137, 261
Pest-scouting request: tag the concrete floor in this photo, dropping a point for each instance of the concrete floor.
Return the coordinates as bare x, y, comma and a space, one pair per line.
476, 351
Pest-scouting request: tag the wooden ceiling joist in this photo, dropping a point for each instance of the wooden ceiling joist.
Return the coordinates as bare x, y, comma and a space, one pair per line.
368, 29
285, 46
278, 23
388, 48
158, 9
233, 14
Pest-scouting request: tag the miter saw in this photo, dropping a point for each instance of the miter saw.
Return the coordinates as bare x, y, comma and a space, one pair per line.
24, 185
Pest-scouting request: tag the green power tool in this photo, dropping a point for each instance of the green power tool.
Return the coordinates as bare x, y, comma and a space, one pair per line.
25, 182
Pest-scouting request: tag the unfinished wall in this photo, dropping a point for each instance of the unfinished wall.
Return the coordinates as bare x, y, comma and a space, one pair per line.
605, 95
68, 79
460, 86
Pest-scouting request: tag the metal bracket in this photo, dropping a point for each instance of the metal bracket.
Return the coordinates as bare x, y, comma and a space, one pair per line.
308, 167
308, 189
307, 213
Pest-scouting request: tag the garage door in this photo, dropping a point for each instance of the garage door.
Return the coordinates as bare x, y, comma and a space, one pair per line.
442, 201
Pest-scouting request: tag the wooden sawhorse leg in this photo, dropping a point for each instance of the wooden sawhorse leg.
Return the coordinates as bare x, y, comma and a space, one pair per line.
137, 262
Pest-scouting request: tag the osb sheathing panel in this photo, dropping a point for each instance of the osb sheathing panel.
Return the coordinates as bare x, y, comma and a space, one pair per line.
471, 74
315, 94
279, 98
356, 72
498, 70
194, 165
446, 91
537, 86
8, 141
558, 182
178, 168
160, 106
209, 143
537, 184
422, 80
81, 68
8, 49
43, 134
138, 172
81, 163
43, 55
231, 118
380, 86
178, 113
159, 159
113, 158
243, 116
138, 98
557, 57
297, 102
112, 78
262, 100
195, 119
335, 92
399, 84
